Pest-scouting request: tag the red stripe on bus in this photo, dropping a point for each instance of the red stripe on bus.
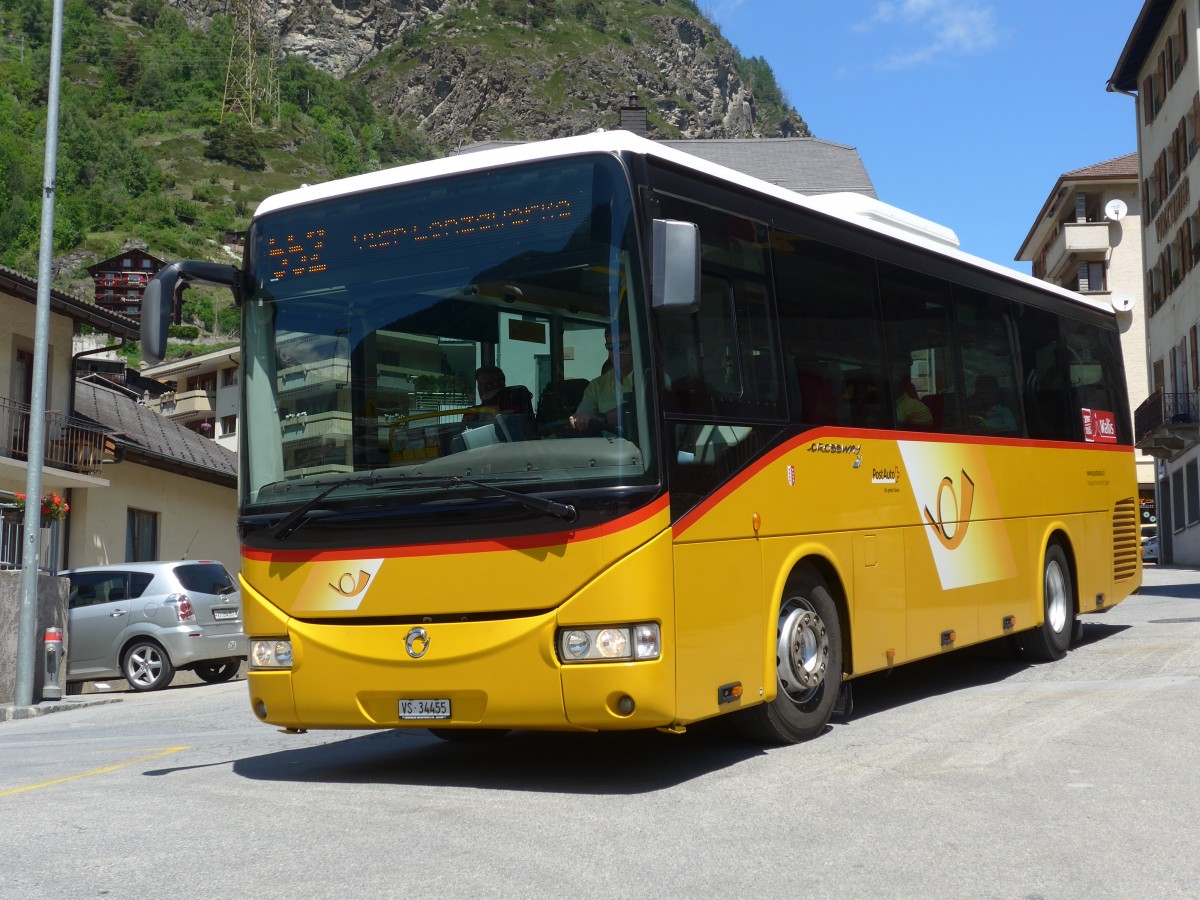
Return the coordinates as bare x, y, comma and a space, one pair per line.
531, 542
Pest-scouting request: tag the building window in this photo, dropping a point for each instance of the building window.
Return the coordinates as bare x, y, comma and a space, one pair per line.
228, 426
141, 535
1177, 513
1195, 361
1193, 492
229, 377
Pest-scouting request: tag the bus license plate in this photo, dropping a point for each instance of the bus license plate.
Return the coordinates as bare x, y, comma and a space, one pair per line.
424, 709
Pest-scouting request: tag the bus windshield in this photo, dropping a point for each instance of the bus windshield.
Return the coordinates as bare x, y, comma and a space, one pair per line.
488, 326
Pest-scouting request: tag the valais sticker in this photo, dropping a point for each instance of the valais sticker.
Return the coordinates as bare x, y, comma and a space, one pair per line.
1099, 426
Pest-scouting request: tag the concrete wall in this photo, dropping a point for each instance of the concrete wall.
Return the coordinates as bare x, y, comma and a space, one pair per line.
194, 518
51, 611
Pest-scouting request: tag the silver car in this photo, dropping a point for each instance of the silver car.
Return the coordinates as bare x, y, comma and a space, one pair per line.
144, 621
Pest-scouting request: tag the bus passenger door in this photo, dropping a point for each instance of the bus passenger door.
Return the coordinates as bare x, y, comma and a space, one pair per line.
719, 624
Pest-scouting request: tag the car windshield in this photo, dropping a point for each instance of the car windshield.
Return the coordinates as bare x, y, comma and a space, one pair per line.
443, 329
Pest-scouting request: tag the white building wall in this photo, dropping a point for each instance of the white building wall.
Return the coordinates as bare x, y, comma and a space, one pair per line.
1125, 276
194, 518
1181, 310
18, 333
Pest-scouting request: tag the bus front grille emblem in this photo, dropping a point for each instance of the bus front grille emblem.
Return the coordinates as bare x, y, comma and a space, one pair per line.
417, 643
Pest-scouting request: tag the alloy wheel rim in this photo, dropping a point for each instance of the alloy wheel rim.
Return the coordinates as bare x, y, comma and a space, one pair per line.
802, 653
1056, 597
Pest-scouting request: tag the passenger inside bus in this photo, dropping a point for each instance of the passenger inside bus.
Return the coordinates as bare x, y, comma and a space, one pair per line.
989, 400
513, 406
495, 393
599, 407
909, 408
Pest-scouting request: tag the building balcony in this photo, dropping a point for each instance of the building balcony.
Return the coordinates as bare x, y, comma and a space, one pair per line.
71, 446
185, 406
1075, 240
1166, 425
300, 427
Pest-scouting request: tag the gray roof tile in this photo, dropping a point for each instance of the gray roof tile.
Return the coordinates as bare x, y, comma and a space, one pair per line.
142, 429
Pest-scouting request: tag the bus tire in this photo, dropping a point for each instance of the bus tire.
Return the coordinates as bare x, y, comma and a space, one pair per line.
808, 665
1051, 640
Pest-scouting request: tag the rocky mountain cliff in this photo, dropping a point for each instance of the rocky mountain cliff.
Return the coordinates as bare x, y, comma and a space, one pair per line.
471, 70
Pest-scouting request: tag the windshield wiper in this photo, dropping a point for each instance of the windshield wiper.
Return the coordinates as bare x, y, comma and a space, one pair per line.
294, 520
564, 511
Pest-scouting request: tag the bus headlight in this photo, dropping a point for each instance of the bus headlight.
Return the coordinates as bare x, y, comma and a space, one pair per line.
611, 643
270, 653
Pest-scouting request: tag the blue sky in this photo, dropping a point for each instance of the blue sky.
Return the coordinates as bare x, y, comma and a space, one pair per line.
964, 111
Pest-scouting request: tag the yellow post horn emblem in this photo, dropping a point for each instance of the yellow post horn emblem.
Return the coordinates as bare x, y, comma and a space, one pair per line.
349, 586
961, 516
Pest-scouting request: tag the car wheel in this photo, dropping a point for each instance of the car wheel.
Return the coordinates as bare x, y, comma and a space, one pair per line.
217, 670
1052, 639
146, 666
808, 665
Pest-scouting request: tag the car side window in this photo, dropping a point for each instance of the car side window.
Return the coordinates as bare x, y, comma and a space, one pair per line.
138, 582
89, 588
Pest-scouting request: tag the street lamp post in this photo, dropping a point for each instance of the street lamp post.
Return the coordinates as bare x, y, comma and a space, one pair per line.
27, 619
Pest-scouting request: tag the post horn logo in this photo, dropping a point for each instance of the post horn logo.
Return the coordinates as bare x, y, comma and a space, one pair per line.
349, 586
960, 516
417, 642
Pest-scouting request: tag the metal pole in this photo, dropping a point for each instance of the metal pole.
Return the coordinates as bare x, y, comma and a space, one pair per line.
27, 622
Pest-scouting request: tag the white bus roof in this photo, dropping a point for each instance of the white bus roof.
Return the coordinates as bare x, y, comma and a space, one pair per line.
863, 211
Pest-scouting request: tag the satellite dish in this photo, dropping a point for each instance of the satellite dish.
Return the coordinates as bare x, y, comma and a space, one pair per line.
1115, 210
1122, 301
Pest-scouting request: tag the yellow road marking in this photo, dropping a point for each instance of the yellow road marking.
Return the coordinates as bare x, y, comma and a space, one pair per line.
132, 762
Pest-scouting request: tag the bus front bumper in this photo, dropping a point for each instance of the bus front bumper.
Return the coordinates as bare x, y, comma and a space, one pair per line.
497, 674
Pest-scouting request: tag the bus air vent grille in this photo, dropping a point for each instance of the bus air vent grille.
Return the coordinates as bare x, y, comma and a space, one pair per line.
1125, 540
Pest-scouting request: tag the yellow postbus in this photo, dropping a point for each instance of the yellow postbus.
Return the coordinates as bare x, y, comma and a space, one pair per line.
776, 442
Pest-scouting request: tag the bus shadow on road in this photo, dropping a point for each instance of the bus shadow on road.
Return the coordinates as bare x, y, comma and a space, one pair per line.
977, 666
615, 763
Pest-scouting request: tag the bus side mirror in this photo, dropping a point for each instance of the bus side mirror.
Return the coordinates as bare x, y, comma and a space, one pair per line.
158, 300
675, 266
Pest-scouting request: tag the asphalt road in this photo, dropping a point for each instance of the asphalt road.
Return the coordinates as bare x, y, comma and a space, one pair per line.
968, 776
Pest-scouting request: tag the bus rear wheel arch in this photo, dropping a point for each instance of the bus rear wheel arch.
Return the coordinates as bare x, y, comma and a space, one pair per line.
808, 663
1051, 640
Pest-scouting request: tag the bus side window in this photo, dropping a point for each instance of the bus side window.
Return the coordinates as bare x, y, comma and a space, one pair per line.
986, 338
921, 348
829, 327
1095, 373
1044, 377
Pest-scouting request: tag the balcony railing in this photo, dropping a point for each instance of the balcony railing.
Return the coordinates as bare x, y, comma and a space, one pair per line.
12, 538
1167, 424
70, 444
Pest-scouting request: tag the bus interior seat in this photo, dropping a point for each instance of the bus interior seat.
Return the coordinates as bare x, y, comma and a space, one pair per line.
557, 404
818, 399
936, 403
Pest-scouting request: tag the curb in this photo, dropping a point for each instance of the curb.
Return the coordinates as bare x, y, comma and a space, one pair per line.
46, 707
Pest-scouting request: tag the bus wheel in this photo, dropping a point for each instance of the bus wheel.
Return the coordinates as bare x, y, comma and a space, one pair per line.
1051, 640
808, 665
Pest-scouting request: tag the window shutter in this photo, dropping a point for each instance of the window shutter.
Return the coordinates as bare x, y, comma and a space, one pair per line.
1081, 276
1147, 99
